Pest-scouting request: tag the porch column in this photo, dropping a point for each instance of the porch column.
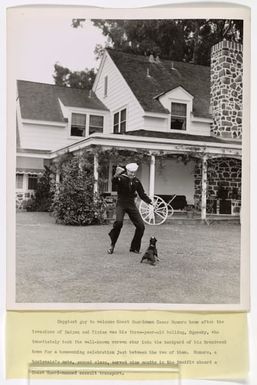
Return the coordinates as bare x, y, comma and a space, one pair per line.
110, 177
204, 187
95, 173
57, 175
152, 176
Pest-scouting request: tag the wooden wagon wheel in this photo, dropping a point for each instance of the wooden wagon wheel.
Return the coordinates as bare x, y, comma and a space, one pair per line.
155, 214
170, 210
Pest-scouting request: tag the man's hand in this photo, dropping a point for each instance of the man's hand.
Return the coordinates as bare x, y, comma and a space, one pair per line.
118, 171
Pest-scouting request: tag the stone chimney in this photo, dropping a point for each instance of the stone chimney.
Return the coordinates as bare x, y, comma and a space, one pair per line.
226, 89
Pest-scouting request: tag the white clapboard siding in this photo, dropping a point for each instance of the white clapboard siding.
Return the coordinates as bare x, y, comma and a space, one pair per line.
163, 125
27, 162
119, 96
172, 177
156, 124
43, 137
200, 128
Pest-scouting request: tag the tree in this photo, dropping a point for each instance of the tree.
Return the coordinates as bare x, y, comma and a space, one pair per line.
160, 37
187, 40
77, 79
201, 35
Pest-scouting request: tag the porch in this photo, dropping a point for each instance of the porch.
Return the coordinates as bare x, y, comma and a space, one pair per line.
212, 191
207, 173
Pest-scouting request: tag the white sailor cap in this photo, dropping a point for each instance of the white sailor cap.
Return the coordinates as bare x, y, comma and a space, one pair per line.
132, 167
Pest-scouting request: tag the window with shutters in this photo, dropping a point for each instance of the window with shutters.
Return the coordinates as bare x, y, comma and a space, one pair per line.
78, 124
119, 122
96, 124
178, 116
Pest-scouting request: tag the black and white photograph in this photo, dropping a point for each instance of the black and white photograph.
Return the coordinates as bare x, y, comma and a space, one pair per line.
131, 136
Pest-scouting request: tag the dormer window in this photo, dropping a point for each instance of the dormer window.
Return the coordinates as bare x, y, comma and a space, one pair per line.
78, 124
178, 116
119, 122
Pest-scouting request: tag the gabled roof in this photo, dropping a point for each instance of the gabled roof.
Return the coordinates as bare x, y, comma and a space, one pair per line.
164, 77
39, 101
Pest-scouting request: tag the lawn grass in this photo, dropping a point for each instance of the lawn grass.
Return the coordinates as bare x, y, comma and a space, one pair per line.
199, 264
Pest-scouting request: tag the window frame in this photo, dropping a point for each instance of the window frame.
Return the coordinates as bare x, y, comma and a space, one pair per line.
22, 181
95, 126
185, 117
120, 122
181, 96
78, 126
33, 177
87, 113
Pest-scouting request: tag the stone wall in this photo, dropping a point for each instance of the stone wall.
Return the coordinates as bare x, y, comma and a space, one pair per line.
226, 89
224, 178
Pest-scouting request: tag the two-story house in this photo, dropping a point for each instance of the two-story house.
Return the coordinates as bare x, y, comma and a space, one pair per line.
171, 110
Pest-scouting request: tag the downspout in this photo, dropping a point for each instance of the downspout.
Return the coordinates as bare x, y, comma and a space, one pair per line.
152, 177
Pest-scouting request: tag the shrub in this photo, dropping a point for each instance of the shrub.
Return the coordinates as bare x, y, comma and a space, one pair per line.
74, 202
43, 194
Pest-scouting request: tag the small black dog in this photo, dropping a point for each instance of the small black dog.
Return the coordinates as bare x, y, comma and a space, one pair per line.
151, 255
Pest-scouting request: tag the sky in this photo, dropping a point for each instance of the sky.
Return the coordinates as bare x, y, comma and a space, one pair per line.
41, 41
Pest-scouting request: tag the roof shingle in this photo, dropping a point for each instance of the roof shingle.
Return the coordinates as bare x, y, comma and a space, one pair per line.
39, 101
164, 76
179, 136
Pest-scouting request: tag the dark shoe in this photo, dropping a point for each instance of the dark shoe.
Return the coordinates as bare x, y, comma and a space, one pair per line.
135, 251
110, 250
